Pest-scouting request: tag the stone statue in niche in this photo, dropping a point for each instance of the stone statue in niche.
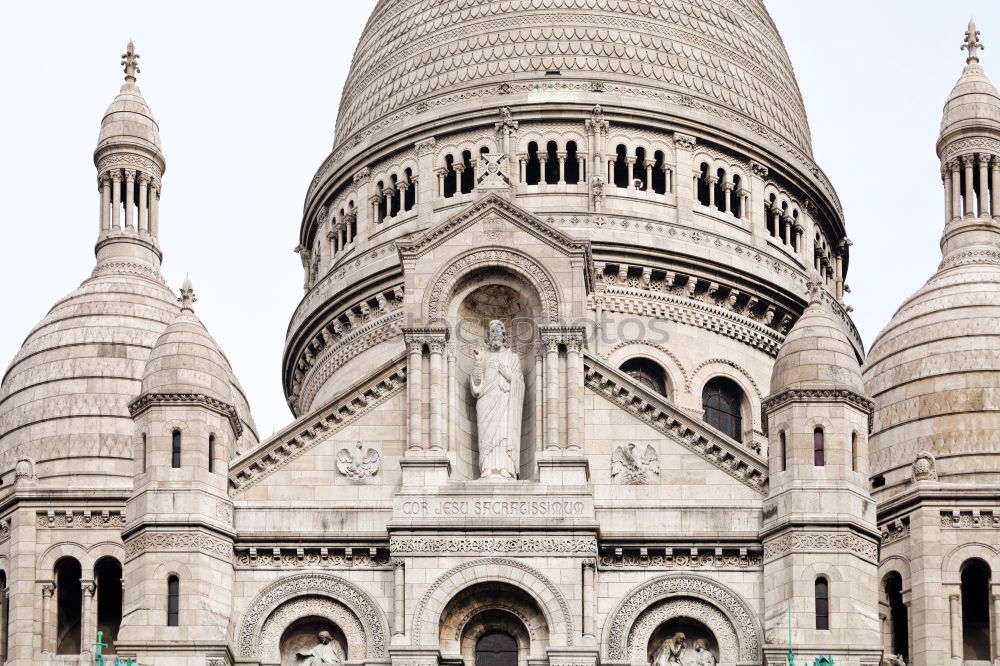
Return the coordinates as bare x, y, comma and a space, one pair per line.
628, 469
327, 652
358, 464
702, 655
498, 386
671, 652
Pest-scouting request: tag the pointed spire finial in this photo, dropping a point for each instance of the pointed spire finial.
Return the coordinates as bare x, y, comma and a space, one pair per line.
972, 43
130, 60
187, 299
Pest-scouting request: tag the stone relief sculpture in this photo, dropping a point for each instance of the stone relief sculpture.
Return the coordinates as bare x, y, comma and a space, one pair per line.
358, 464
627, 468
676, 651
924, 467
498, 386
703, 657
893, 660
327, 652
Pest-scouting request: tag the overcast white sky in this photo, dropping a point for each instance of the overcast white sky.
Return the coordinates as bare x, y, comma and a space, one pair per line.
246, 96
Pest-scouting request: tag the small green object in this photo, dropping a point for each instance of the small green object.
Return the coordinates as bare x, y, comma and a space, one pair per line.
98, 657
823, 661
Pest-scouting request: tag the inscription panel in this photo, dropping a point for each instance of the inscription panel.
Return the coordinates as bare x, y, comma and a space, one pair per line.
492, 507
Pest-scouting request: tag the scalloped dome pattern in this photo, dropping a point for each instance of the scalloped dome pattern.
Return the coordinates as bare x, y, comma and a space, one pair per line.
723, 52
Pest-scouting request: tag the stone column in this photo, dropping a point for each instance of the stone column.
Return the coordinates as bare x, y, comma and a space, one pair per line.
459, 169
967, 163
684, 144
955, 606
727, 188
387, 195
423, 201
712, 180
574, 393
668, 180
436, 393
543, 160
105, 202
996, 621
414, 377
350, 221
154, 210
649, 173
48, 589
630, 166
87, 616
398, 598
757, 203
116, 199
522, 168
552, 393
562, 166
539, 398
995, 192
982, 202
611, 172
129, 198
581, 168
589, 574
452, 396
956, 190
143, 202
402, 186
373, 202
946, 182
441, 173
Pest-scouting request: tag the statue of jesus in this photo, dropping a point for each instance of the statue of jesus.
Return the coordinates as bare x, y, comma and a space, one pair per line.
498, 386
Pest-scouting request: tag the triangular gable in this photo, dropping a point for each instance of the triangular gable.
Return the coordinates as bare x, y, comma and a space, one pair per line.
495, 204
662, 415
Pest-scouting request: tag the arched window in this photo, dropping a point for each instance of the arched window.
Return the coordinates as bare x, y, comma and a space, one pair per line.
647, 372
211, 453
770, 210
703, 185
450, 177
173, 601
496, 649
175, 449
899, 629
468, 180
722, 401
976, 633
410, 199
621, 166
639, 168
69, 599
782, 451
854, 452
533, 169
659, 173
143, 452
573, 175
720, 192
108, 579
819, 447
822, 603
552, 163
792, 231
736, 197
383, 201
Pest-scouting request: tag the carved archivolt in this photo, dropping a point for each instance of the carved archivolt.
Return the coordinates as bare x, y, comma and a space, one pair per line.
445, 284
731, 364
432, 603
695, 609
337, 591
735, 612
323, 607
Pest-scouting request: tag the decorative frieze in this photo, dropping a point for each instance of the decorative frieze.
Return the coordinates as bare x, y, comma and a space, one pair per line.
812, 542
492, 545
147, 400
311, 558
895, 531
679, 558
845, 396
185, 542
53, 519
974, 519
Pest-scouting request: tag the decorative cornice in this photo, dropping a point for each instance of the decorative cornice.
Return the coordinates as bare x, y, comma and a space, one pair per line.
970, 519
147, 400
492, 545
811, 542
299, 558
679, 558
179, 542
654, 410
318, 426
845, 396
80, 519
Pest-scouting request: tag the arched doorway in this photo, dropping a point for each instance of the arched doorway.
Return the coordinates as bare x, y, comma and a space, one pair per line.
108, 579
976, 633
496, 648
69, 605
898, 629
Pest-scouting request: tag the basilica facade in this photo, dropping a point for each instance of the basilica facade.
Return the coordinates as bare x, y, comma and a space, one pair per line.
573, 381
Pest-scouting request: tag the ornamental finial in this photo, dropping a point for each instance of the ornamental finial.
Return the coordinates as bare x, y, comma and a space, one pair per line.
972, 43
187, 299
130, 60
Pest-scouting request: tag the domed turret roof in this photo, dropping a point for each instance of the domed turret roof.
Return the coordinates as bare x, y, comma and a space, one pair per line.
817, 354
718, 58
974, 103
129, 120
185, 359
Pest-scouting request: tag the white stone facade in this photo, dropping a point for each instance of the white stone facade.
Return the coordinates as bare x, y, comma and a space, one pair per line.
629, 188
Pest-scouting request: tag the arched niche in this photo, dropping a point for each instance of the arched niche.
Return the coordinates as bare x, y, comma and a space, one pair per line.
697, 620
301, 638
493, 607
294, 627
476, 298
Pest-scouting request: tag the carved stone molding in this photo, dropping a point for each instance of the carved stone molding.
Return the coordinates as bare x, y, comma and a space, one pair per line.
679, 558
425, 147
528, 578
654, 410
304, 434
970, 145
147, 400
271, 598
80, 519
970, 519
491, 545
812, 542
894, 531
179, 542
688, 608
312, 606
759, 170
310, 558
129, 160
845, 396
736, 612
685, 141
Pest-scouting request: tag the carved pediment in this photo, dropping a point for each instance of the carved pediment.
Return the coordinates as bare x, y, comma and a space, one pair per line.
662, 415
493, 211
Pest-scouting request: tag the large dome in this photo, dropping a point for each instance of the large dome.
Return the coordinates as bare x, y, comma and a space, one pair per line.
723, 57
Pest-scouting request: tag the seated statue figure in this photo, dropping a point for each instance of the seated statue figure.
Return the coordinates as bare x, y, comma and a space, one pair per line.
703, 656
325, 654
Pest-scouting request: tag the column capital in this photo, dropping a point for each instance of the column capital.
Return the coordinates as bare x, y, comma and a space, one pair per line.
130, 175
459, 168
684, 140
426, 147
116, 176
144, 178
88, 587
759, 170
375, 199
441, 172
402, 185
103, 180
363, 175
48, 589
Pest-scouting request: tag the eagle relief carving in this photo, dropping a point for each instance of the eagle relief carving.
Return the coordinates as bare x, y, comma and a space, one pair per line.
628, 469
357, 463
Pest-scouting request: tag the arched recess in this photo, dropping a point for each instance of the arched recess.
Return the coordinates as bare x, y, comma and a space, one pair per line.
264, 605
550, 600
629, 349
738, 614
951, 568
724, 634
311, 606
439, 296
